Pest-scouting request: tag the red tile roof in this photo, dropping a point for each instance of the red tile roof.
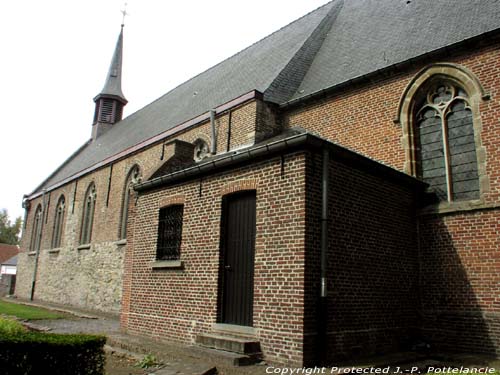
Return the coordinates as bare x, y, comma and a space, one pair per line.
7, 251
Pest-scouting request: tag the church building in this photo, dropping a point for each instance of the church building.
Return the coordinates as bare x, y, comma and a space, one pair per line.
330, 192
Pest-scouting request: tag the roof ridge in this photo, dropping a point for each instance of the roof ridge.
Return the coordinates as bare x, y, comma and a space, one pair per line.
291, 76
230, 57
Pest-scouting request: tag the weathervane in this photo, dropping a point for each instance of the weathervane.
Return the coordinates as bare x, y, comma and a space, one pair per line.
124, 13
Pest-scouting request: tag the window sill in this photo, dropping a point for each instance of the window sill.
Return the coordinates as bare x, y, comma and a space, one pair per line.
122, 242
84, 247
167, 264
55, 251
453, 207
32, 253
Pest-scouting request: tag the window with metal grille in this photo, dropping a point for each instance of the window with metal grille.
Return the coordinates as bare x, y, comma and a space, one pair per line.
169, 233
58, 223
36, 234
446, 149
88, 215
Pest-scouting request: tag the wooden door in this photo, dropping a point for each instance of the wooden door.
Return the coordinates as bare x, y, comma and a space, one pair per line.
238, 246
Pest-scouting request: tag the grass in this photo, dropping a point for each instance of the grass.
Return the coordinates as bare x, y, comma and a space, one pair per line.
27, 312
11, 327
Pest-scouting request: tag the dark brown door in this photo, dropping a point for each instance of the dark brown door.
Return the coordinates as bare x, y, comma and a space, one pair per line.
238, 246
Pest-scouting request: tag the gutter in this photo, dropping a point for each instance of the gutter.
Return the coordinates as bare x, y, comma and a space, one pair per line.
399, 66
294, 142
254, 94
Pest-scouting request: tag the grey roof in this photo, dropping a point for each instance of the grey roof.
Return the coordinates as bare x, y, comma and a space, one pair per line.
11, 261
113, 85
369, 35
335, 43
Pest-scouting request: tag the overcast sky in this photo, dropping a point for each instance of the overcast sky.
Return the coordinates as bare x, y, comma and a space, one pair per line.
55, 55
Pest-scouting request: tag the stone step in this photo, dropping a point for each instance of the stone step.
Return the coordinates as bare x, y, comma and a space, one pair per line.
233, 344
228, 358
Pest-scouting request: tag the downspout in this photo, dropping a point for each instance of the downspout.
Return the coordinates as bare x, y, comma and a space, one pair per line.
323, 307
39, 241
213, 146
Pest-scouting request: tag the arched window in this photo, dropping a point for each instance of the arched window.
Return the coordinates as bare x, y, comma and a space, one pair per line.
88, 215
58, 222
441, 133
133, 177
36, 235
445, 143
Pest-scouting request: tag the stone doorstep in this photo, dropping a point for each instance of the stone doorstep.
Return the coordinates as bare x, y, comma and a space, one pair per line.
239, 345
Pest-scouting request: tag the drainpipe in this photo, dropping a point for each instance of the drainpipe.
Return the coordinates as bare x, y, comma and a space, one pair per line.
323, 311
213, 147
37, 255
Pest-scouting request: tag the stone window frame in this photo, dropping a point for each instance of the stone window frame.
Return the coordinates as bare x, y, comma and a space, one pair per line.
160, 263
133, 177
88, 211
57, 230
460, 76
36, 232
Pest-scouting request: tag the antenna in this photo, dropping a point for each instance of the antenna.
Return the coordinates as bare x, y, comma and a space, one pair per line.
124, 14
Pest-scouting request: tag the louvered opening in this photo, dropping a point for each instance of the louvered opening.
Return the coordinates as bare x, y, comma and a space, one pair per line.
107, 111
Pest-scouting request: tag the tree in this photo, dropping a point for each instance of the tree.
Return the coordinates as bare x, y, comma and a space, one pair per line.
9, 233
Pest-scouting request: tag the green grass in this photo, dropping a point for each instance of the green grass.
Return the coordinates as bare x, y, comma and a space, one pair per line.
27, 312
11, 327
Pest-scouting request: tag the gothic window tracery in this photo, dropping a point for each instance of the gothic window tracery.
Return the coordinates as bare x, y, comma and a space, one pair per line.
445, 143
133, 177
88, 215
58, 222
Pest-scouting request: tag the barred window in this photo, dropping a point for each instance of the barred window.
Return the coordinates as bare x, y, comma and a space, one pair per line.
169, 233
446, 149
36, 234
58, 222
134, 177
88, 215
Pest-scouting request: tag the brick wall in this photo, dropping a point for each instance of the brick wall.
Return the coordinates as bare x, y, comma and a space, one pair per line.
178, 304
371, 264
94, 275
460, 279
464, 241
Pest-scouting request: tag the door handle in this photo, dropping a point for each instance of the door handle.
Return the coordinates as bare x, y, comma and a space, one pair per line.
228, 268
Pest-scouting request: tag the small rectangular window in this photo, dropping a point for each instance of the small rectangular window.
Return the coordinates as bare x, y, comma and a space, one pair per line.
169, 233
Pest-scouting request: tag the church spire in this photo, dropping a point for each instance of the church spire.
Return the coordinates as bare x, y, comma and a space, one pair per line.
110, 101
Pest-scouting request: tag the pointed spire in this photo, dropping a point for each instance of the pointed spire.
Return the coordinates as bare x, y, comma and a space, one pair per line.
113, 85
110, 101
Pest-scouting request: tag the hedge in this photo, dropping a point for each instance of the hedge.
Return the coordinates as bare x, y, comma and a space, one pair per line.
33, 353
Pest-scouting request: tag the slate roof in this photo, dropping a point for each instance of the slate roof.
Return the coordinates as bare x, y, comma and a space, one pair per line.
7, 252
337, 42
11, 261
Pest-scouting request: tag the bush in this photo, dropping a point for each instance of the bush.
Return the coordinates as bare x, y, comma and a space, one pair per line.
32, 353
9, 326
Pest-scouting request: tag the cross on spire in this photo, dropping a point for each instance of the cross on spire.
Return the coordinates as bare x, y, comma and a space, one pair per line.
124, 13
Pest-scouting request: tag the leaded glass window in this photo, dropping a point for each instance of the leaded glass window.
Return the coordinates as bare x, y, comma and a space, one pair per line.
36, 234
58, 222
446, 150
88, 215
169, 233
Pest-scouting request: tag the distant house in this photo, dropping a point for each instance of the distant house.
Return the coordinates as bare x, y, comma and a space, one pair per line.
8, 268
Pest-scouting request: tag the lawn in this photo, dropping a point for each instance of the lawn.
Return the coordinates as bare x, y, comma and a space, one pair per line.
27, 312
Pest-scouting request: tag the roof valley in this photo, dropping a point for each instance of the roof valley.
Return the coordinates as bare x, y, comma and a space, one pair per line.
287, 82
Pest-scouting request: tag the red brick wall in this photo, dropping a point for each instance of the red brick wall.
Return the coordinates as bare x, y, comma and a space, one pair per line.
460, 281
361, 118
179, 304
372, 263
